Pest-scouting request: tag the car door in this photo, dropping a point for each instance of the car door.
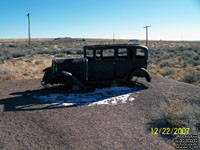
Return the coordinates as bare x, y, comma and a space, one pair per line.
124, 63
105, 65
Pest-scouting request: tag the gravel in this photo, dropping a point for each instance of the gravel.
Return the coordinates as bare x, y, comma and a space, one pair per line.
29, 123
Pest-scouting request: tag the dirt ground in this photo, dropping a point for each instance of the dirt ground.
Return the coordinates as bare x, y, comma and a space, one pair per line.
26, 123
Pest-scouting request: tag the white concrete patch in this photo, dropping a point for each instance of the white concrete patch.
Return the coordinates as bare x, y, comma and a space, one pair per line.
105, 96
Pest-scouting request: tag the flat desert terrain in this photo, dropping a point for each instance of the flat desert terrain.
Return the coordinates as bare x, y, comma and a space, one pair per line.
32, 117
172, 59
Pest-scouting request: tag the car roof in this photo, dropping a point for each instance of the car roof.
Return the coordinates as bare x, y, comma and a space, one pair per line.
112, 46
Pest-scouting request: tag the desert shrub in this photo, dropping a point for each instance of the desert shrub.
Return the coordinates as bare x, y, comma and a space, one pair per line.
171, 55
180, 114
166, 56
157, 58
181, 49
68, 52
5, 71
158, 52
1, 59
6, 74
173, 112
183, 57
3, 45
195, 63
184, 65
197, 76
168, 72
23, 46
164, 64
60, 47
39, 51
53, 52
191, 78
195, 50
190, 48
149, 61
6, 54
45, 44
196, 58
171, 64
187, 54
7, 77
12, 46
171, 50
49, 51
79, 52
18, 54
38, 62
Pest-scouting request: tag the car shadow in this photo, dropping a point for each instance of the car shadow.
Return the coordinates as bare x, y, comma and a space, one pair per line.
41, 99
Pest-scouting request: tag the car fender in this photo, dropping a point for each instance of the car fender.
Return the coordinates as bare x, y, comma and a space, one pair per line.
48, 69
142, 72
66, 75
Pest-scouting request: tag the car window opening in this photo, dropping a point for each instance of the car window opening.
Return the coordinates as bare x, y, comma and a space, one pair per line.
122, 53
140, 53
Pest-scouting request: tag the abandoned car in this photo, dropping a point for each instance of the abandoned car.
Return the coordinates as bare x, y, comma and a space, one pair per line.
101, 65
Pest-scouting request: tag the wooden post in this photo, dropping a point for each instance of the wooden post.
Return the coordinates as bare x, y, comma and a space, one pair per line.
147, 34
113, 37
29, 32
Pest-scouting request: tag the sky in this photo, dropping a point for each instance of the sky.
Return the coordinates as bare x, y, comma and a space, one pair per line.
169, 19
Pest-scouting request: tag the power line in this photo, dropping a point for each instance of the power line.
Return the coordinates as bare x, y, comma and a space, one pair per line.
147, 34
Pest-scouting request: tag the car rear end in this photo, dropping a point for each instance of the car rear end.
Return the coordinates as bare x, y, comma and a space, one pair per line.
76, 67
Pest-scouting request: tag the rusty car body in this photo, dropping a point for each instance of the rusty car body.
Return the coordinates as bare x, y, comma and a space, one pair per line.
101, 65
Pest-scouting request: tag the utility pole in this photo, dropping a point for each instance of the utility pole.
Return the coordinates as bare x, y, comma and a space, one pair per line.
113, 37
29, 33
147, 34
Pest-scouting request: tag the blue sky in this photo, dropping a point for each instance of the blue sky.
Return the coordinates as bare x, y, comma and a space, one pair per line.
170, 19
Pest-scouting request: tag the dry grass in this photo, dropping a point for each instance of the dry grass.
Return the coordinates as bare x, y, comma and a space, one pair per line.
6, 73
179, 115
25, 68
173, 112
182, 114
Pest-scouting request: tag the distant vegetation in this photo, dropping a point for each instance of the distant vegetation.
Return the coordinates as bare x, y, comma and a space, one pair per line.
176, 60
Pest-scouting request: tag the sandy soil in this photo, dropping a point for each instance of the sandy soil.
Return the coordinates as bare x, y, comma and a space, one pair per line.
29, 124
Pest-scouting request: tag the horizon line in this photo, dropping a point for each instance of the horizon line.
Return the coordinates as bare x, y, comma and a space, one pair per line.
96, 39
